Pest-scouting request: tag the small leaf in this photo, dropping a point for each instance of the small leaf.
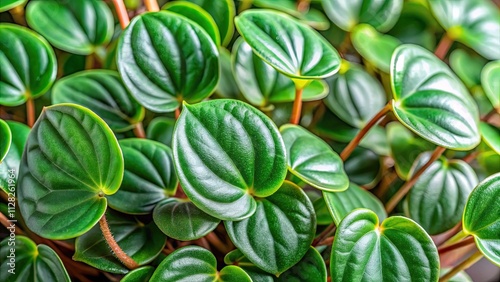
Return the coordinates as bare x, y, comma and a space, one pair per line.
6, 5
491, 136
161, 129
5, 140
227, 87
11, 161
490, 77
141, 274
363, 167
467, 66
323, 216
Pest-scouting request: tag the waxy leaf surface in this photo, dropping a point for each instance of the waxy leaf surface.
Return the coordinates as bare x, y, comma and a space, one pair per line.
491, 136
6, 5
11, 161
161, 129
141, 274
222, 11
5, 139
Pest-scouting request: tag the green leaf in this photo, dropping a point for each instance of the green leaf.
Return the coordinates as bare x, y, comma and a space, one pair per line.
475, 23
161, 129
489, 161
28, 65
431, 101
102, 92
29, 262
397, 250
71, 160
227, 87
11, 161
437, 199
197, 15
480, 218
149, 176
226, 152
490, 77
236, 257
164, 58
5, 140
355, 96
491, 136
313, 160
142, 242
340, 204
375, 47
77, 27
262, 85
467, 66
323, 216
192, 263
182, 220
141, 274
286, 220
6, 5
291, 47
363, 167
347, 14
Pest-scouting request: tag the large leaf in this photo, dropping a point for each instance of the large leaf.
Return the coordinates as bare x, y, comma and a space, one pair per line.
313, 160
5, 140
149, 176
102, 92
293, 48
475, 23
481, 218
346, 14
78, 27
226, 152
467, 66
196, 264
437, 199
396, 250
280, 231
6, 5
11, 161
28, 65
431, 101
71, 160
23, 260
165, 58
491, 136
490, 77
161, 129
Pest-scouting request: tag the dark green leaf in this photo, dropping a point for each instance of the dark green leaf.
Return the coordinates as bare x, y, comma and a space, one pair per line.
490, 77
236, 257
323, 216
161, 129
491, 136
13, 158
5, 139
363, 167
6, 5
467, 66
141, 274
227, 87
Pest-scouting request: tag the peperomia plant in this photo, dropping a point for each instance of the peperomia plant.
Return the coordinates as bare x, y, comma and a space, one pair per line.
255, 140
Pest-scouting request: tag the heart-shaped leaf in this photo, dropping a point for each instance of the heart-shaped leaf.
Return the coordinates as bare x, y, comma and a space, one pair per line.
226, 152
354, 96
261, 84
490, 77
475, 23
182, 220
141, 274
6, 5
142, 242
71, 160
161, 129
467, 66
102, 92
192, 263
481, 218
23, 260
437, 199
364, 251
78, 27
280, 231
431, 101
149, 176
11, 161
312, 160
5, 140
343, 203
347, 14
491, 136
292, 48
28, 65
160, 76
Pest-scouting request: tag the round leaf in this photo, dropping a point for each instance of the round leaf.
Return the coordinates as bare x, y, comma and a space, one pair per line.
165, 58
226, 152
11, 162
141, 274
28, 65
431, 101
491, 136
161, 129
78, 27
364, 251
490, 77
10, 4
363, 167
5, 140
71, 160
280, 231
312, 160
467, 66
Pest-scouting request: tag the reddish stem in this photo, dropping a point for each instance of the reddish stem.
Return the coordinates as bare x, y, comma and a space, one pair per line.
151, 5
121, 11
119, 253
30, 112
467, 241
297, 107
177, 113
443, 46
139, 130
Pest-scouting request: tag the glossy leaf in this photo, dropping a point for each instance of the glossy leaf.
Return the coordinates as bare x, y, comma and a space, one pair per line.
78, 27
431, 101
141, 274
340, 204
149, 176
490, 77
6, 5
5, 140
223, 12
313, 160
364, 251
227, 87
143, 242
292, 48
102, 92
323, 216
28, 65
182, 220
491, 136
481, 220
363, 167
161, 129
13, 158
467, 66
160, 76
226, 152
71, 160
286, 220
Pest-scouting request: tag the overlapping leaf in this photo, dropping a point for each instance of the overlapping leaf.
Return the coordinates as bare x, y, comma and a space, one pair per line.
5, 140
161, 129
141, 274
467, 66
490, 77
491, 136
11, 161
10, 4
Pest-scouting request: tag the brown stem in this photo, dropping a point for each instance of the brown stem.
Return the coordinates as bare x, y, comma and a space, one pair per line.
470, 157
328, 230
30, 112
65, 245
462, 266
177, 113
409, 184
17, 14
151, 5
443, 46
89, 62
326, 242
121, 11
457, 228
216, 242
303, 5
139, 130
119, 253
5, 222
297, 107
490, 114
354, 142
459, 244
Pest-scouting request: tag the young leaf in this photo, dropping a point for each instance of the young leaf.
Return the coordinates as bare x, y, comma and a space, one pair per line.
5, 140
280, 231
161, 129
491, 136
141, 274
467, 66
28, 65
164, 58
11, 161
490, 77
71, 160
6, 5
226, 152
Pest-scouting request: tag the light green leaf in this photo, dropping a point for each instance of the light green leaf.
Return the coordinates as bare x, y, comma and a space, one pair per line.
491, 136
161, 129
6, 5
141, 274
467, 66
5, 140
490, 80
